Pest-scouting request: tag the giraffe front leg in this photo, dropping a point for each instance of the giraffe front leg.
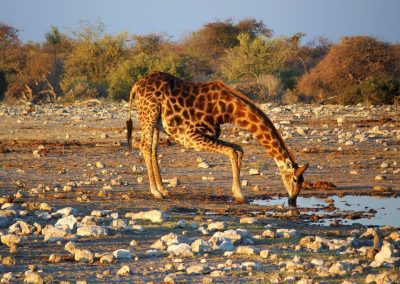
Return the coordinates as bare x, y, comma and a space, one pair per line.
229, 149
146, 149
154, 162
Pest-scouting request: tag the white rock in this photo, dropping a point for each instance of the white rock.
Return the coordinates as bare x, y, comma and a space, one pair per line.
33, 278
122, 254
67, 211
183, 250
54, 234
254, 172
248, 220
92, 231
155, 216
286, 233
340, 268
70, 247
196, 269
67, 221
247, 250
203, 165
107, 258
85, 256
99, 165
217, 226
200, 245
124, 271
11, 241
265, 253
385, 255
174, 239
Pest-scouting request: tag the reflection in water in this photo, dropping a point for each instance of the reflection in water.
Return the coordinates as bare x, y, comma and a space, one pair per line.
387, 208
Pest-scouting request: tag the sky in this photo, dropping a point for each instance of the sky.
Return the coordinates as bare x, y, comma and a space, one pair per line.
329, 18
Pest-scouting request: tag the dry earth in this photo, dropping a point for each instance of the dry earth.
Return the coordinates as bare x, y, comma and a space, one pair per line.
55, 156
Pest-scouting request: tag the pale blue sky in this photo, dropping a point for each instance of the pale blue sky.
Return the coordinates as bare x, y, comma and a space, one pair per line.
330, 18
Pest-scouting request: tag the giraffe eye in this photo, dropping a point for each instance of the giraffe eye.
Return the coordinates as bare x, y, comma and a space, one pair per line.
295, 179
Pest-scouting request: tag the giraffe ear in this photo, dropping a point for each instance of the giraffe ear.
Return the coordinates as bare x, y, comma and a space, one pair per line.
289, 166
300, 170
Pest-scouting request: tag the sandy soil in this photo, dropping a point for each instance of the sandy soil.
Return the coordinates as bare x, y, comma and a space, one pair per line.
75, 138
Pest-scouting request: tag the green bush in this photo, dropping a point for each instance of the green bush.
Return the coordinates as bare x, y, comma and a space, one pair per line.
373, 91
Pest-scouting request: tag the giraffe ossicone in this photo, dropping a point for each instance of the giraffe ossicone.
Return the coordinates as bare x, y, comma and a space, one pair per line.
191, 114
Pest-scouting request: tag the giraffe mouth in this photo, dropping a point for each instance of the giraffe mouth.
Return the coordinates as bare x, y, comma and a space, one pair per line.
292, 201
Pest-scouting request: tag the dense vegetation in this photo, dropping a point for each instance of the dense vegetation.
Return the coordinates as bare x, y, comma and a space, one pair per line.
90, 63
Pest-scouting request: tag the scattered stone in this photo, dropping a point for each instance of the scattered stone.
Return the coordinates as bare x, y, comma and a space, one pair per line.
265, 253
100, 165
203, 165
55, 258
217, 226
54, 234
124, 271
92, 231
247, 250
68, 221
254, 172
340, 268
85, 256
123, 254
70, 247
385, 256
196, 269
107, 258
248, 220
201, 246
33, 278
67, 211
183, 250
155, 216
12, 241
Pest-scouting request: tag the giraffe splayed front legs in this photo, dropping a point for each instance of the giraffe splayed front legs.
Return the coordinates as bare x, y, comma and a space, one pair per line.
191, 114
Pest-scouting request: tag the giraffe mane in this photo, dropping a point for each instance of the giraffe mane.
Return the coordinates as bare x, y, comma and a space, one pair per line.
254, 107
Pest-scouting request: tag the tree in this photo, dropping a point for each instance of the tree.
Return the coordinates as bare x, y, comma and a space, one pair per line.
358, 69
207, 45
93, 58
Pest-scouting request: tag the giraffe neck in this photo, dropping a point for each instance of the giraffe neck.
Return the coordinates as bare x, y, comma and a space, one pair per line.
252, 119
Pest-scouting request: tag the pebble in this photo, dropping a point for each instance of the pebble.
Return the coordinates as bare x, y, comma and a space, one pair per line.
203, 165
182, 250
107, 258
85, 256
201, 246
254, 172
92, 231
122, 254
265, 253
155, 216
196, 269
124, 271
248, 220
33, 278
217, 226
247, 250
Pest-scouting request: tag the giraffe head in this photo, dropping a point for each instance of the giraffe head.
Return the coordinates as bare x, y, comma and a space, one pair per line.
293, 179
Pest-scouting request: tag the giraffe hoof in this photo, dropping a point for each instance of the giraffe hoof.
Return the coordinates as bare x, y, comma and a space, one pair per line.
240, 201
166, 193
157, 195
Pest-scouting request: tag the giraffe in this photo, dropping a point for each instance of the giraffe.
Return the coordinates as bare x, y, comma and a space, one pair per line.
191, 114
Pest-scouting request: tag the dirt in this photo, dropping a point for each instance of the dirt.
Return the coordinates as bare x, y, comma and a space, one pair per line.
73, 144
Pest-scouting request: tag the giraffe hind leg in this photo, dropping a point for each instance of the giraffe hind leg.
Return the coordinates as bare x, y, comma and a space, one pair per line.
154, 162
146, 147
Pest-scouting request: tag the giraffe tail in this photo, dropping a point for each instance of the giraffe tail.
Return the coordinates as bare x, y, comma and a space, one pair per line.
129, 124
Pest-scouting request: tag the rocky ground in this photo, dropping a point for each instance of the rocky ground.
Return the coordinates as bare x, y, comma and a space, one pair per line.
75, 205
